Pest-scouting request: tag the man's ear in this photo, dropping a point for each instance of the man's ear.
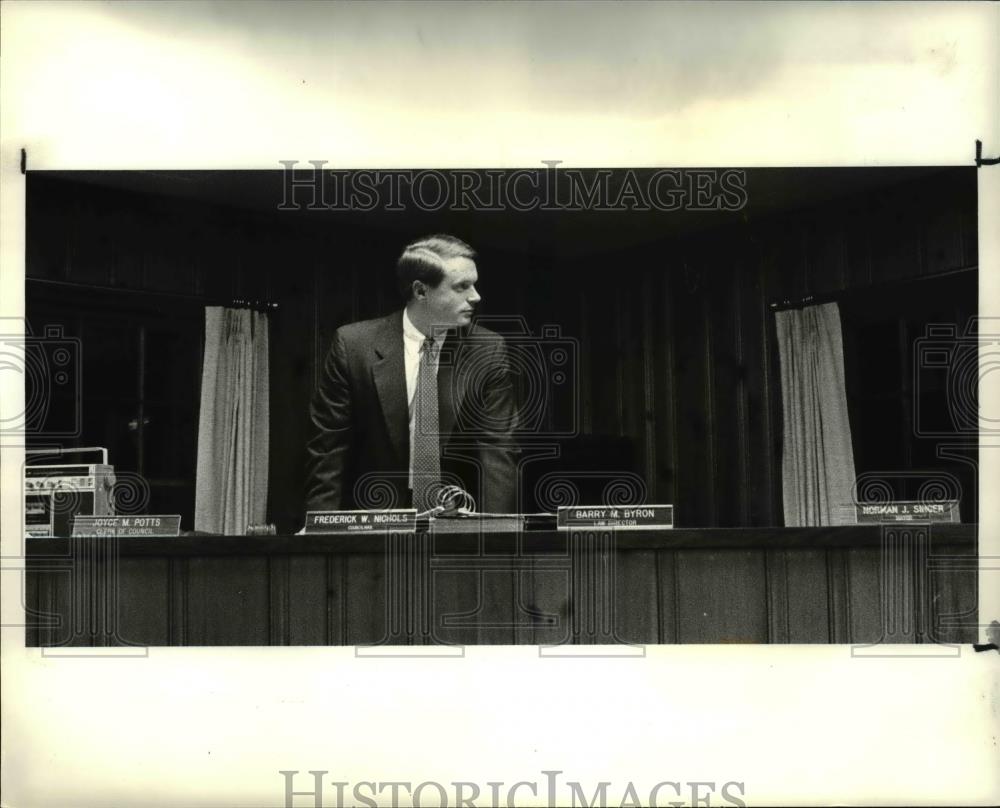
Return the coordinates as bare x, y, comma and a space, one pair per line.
419, 290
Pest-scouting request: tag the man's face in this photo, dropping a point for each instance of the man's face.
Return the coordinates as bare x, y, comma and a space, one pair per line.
452, 302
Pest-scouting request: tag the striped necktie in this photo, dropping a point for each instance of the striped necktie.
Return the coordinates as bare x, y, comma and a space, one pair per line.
426, 440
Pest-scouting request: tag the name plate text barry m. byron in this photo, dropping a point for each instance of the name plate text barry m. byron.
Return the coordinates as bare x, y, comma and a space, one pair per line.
399, 520
630, 517
127, 526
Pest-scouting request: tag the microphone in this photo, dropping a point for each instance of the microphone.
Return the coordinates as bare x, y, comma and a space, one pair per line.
452, 501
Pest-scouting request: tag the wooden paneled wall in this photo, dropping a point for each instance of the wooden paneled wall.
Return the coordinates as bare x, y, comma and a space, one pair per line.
675, 339
901, 584
692, 341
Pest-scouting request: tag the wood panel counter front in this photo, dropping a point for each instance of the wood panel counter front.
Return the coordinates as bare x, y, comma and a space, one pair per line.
909, 583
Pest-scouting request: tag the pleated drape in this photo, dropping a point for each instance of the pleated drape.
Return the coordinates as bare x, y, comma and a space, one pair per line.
231, 481
817, 455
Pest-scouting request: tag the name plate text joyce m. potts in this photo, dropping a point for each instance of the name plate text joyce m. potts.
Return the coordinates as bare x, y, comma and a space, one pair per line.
628, 517
398, 520
127, 526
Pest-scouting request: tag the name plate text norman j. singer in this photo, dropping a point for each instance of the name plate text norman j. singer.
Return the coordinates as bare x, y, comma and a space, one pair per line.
398, 520
628, 517
908, 511
127, 526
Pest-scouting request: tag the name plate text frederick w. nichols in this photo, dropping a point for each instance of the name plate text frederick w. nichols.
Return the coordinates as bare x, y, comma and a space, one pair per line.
628, 517
156, 526
398, 520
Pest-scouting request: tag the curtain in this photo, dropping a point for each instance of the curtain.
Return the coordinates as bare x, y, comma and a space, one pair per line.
817, 460
231, 481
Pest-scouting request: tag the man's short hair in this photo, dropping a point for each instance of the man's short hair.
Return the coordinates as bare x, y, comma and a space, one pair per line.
423, 260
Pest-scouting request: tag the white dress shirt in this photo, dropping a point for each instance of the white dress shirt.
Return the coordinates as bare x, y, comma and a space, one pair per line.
413, 339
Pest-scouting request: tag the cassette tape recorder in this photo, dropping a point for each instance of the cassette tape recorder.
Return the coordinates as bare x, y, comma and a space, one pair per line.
55, 494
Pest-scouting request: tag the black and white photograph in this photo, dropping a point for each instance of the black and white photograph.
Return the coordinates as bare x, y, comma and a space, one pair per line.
400, 400
784, 358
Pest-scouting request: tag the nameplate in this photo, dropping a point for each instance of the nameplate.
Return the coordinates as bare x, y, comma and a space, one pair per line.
478, 523
631, 517
157, 526
875, 512
400, 520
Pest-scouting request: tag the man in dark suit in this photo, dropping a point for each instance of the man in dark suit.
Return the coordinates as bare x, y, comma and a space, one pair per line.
417, 400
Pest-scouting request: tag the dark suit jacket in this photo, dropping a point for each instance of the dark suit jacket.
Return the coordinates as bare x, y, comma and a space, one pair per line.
359, 454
